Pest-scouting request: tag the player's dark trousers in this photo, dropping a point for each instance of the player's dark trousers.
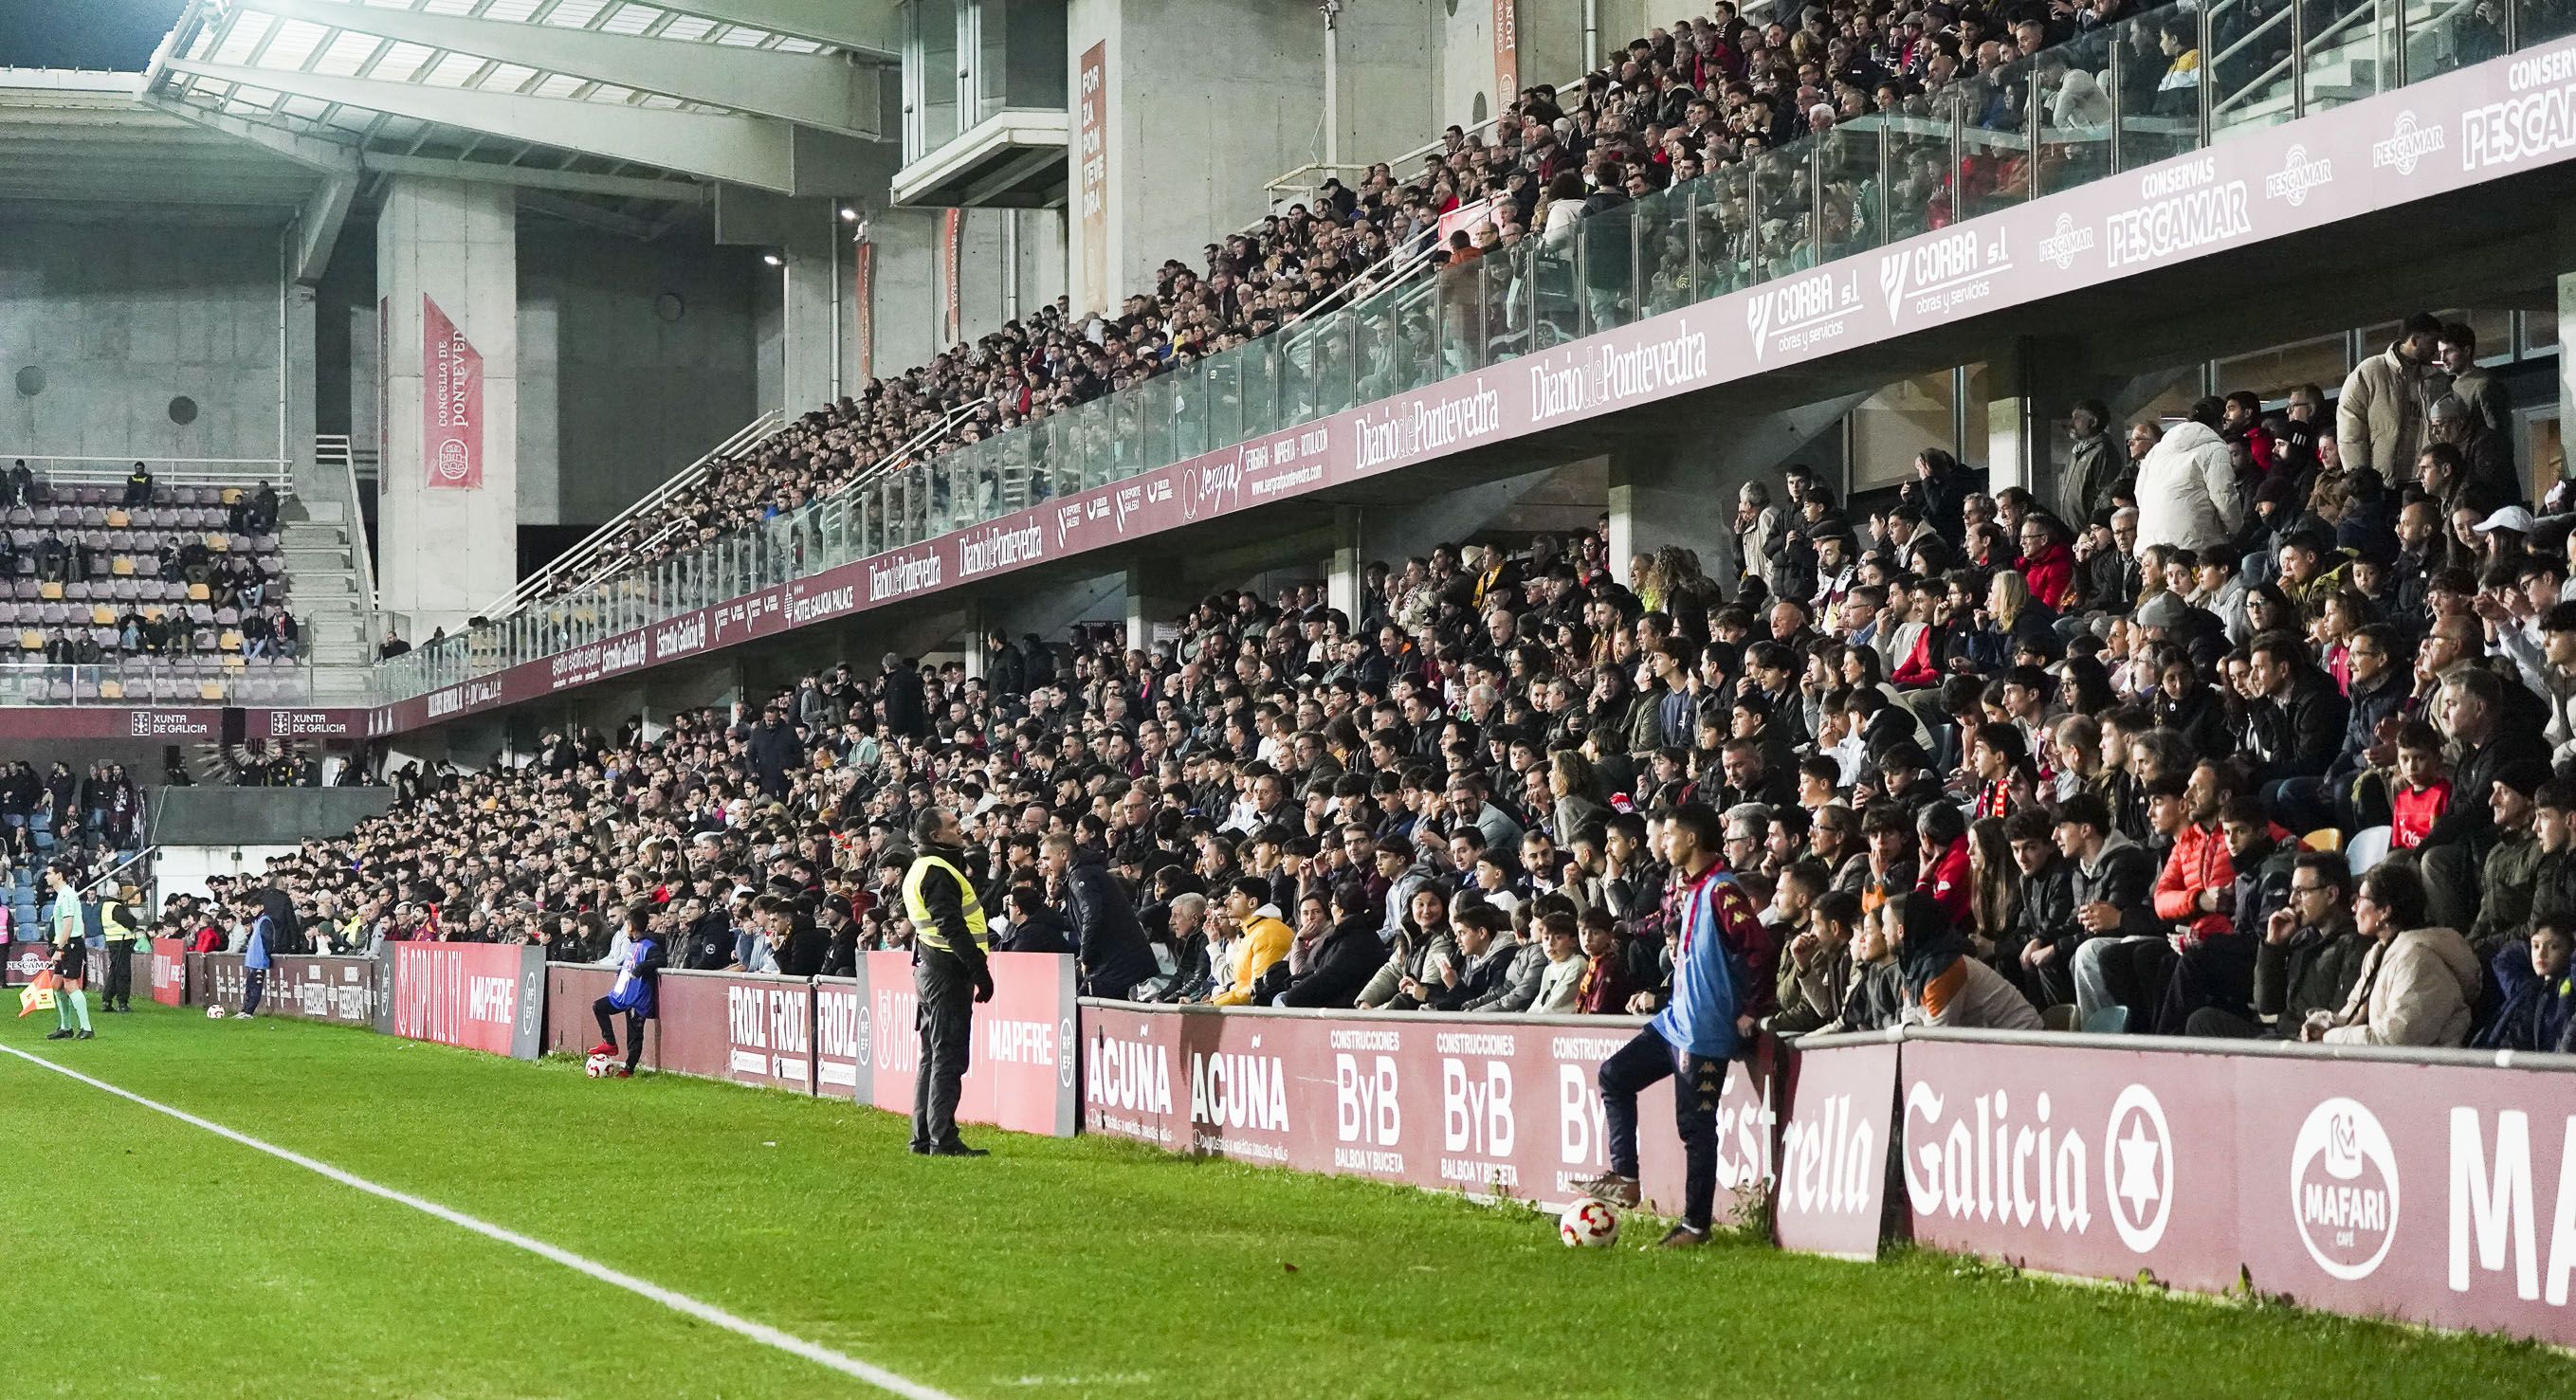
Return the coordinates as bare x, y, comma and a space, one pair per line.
608, 1030
254, 985
946, 1021
1641, 1063
120, 976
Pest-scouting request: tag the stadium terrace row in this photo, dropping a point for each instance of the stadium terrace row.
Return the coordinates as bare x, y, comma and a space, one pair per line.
2265, 727
1706, 96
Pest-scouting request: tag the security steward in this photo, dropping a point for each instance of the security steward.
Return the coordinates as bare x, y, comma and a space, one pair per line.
117, 922
948, 967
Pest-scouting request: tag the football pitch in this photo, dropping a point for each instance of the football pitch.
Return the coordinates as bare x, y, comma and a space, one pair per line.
675, 1237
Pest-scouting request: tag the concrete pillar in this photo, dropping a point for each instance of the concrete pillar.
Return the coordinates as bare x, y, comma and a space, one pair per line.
448, 551
299, 382
2030, 388
1659, 498
1154, 595
812, 279
1343, 577
902, 291
970, 639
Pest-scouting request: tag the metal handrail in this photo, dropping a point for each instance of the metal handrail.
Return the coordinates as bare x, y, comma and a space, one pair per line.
900, 456
540, 583
166, 471
2303, 52
111, 872
362, 553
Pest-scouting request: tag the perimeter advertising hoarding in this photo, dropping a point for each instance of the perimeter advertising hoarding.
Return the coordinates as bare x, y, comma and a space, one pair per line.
2441, 1194
749, 1029
571, 989
169, 971
1501, 1108
25, 960
1832, 1196
1020, 1072
481, 996
341, 991
2441, 135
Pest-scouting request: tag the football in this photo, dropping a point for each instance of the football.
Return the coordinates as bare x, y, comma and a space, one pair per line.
1588, 1224
598, 1066
214, 1013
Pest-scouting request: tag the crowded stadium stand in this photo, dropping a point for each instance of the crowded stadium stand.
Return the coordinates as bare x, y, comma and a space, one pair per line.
2033, 523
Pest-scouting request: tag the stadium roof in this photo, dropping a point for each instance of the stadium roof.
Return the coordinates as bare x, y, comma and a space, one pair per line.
604, 110
81, 139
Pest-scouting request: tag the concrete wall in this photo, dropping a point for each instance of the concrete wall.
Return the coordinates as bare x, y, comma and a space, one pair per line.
121, 318
1208, 99
618, 387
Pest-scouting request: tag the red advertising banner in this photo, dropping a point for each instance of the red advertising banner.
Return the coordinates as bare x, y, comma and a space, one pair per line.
840, 1035
751, 1030
2442, 1194
482, 996
1832, 1195
451, 403
1020, 1072
1091, 179
1500, 1108
1507, 54
863, 306
169, 971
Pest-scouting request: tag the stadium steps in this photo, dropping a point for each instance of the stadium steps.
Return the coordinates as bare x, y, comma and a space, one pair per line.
314, 538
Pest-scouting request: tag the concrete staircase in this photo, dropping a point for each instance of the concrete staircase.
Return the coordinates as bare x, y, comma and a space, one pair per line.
322, 562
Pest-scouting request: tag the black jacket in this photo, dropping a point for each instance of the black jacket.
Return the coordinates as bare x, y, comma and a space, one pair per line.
906, 711
2299, 736
2366, 708
1041, 932
1106, 934
2124, 877
1342, 964
2470, 817
775, 750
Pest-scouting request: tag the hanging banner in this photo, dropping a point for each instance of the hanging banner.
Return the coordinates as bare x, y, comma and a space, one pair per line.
952, 261
1507, 54
1091, 179
451, 403
863, 308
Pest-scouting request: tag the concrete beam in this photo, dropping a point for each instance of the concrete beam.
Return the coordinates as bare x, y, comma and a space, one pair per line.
870, 27
750, 150
311, 152
817, 89
317, 226
530, 177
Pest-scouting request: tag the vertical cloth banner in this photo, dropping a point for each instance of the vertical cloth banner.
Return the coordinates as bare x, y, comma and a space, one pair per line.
952, 273
863, 305
451, 403
1507, 54
1091, 179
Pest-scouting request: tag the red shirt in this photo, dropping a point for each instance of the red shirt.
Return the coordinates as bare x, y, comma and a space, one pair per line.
1948, 882
2412, 813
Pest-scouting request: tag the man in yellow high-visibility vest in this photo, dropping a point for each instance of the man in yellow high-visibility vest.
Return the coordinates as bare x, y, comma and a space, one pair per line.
949, 972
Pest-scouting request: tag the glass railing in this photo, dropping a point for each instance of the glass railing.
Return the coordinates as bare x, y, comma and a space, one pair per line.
190, 682
2151, 87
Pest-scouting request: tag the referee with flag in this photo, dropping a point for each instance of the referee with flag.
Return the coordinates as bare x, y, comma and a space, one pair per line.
949, 972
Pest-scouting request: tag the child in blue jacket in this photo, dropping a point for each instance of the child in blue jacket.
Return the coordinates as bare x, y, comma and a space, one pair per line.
635, 991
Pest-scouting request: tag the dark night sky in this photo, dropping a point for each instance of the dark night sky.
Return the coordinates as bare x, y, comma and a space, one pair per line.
112, 34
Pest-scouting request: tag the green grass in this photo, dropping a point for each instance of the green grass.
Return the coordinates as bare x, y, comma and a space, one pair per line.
156, 1258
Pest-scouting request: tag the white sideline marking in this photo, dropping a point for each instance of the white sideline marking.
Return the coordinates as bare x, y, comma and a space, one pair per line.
766, 1335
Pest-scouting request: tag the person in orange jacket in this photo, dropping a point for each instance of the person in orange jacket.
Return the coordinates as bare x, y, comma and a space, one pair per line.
1265, 939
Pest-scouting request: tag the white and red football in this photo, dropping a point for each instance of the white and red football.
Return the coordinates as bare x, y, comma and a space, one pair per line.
1588, 1224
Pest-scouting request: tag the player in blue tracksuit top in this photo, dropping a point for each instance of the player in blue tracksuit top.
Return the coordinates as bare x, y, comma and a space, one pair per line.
263, 936
1723, 964
633, 992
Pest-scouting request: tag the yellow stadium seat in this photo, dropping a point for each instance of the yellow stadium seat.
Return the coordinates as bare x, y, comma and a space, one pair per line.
111, 690
210, 690
101, 615
232, 495
119, 520
31, 640
122, 566
235, 663
2324, 838
153, 613
229, 641
197, 593
220, 544
50, 592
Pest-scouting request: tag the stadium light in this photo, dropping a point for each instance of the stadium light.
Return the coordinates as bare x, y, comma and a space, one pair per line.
849, 214
773, 260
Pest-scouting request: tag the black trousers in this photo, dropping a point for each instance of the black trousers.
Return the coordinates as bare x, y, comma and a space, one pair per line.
1701, 1080
608, 1030
120, 975
946, 1020
254, 983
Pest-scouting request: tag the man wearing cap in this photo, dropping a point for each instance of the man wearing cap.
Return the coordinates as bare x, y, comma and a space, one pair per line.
949, 972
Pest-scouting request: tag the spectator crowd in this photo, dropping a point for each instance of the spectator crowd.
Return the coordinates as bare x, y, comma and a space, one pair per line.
2257, 723
1704, 97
